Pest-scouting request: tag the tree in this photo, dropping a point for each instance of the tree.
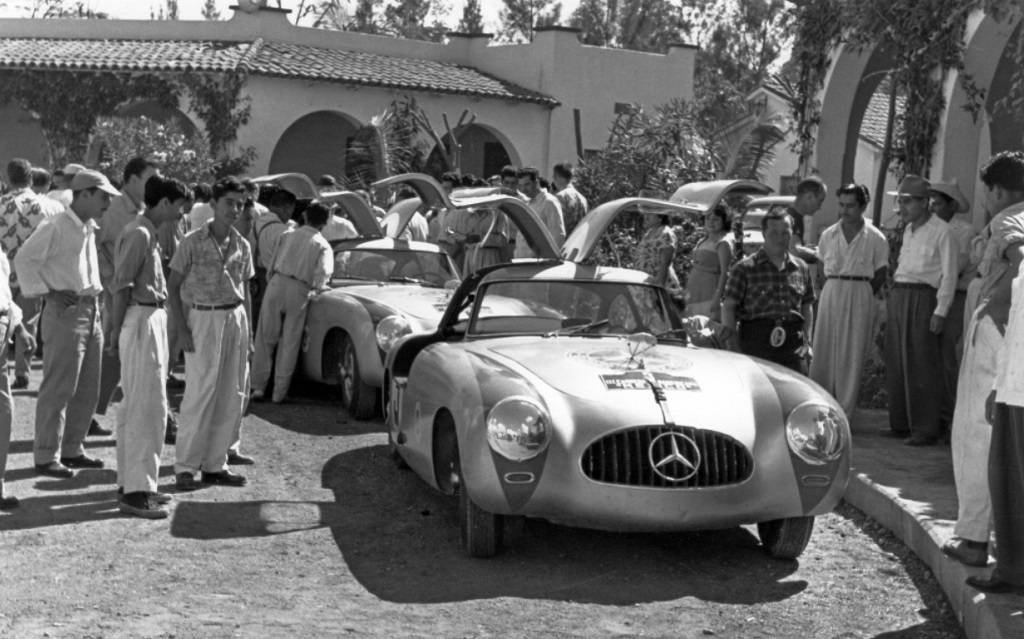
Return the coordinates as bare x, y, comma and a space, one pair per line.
55, 9
210, 11
180, 155
167, 12
408, 19
472, 18
640, 25
519, 18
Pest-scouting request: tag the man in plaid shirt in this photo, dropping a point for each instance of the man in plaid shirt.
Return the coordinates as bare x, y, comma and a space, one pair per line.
770, 295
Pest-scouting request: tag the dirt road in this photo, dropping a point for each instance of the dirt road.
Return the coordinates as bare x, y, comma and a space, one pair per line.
330, 539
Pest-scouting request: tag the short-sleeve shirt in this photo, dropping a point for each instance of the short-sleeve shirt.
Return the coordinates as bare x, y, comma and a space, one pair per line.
798, 223
574, 206
213, 275
861, 257
122, 211
137, 263
1009, 382
1005, 230
21, 211
762, 291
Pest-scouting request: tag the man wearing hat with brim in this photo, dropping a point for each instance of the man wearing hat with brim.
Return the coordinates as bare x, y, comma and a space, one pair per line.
925, 282
948, 203
59, 263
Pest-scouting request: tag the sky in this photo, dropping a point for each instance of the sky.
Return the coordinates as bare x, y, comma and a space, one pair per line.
190, 9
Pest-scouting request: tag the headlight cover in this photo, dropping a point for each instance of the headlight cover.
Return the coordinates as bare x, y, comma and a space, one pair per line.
815, 431
518, 428
390, 329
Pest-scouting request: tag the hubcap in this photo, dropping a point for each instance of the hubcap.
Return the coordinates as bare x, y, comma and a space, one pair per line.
348, 366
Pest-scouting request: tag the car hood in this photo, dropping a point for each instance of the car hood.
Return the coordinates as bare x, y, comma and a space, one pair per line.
417, 302
703, 387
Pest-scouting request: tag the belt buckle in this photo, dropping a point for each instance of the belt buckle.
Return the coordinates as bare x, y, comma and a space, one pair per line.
778, 335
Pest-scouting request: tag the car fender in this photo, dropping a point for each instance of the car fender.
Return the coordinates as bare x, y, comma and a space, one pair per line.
329, 313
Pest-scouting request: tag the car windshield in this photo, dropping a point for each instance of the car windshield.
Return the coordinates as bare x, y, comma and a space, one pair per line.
552, 308
383, 265
752, 218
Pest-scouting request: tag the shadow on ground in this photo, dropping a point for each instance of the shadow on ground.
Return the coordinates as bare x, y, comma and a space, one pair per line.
401, 541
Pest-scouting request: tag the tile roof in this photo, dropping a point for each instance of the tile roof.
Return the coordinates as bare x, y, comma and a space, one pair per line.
872, 127
260, 57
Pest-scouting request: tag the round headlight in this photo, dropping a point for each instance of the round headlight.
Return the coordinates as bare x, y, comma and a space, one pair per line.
815, 433
518, 428
390, 329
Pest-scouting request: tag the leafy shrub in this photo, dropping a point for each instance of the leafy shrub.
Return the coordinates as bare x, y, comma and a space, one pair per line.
181, 155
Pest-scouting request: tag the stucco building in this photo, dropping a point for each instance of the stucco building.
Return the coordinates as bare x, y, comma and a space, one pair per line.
311, 89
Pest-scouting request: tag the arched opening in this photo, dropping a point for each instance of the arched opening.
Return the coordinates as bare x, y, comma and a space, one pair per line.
1005, 128
314, 144
155, 111
484, 151
23, 136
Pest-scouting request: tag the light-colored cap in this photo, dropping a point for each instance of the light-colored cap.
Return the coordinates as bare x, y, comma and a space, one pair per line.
71, 169
914, 186
88, 179
952, 190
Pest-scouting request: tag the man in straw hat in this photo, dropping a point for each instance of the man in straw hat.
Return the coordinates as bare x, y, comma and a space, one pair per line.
925, 281
948, 204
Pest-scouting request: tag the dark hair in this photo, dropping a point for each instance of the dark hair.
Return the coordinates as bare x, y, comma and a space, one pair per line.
563, 170
722, 214
249, 186
775, 214
281, 197
136, 167
857, 190
543, 181
1004, 169
40, 177
202, 192
509, 171
317, 213
526, 172
327, 180
451, 176
812, 184
160, 188
229, 184
468, 179
19, 172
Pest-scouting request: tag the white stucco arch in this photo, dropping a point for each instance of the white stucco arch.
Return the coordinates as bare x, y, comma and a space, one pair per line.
314, 144
957, 151
476, 158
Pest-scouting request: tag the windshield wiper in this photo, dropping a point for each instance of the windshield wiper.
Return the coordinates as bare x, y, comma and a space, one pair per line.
579, 328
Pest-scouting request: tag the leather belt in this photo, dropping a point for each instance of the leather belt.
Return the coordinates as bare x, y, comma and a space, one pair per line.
849, 278
158, 304
913, 285
216, 307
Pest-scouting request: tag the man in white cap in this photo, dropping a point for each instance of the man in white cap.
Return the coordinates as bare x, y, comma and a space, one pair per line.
948, 204
925, 281
59, 262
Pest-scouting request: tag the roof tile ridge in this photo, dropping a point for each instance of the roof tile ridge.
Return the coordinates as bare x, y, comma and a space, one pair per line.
245, 62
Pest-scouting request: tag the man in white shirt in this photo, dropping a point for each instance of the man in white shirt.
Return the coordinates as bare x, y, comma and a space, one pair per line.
574, 205
59, 261
925, 281
123, 209
971, 432
545, 205
62, 182
302, 267
10, 322
21, 211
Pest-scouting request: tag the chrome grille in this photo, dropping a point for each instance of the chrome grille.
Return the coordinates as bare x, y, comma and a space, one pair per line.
623, 458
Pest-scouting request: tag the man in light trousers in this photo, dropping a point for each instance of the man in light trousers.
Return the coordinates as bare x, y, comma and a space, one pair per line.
59, 261
11, 323
138, 329
302, 266
212, 268
971, 433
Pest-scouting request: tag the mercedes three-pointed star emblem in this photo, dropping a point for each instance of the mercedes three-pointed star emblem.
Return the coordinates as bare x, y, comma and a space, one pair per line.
682, 461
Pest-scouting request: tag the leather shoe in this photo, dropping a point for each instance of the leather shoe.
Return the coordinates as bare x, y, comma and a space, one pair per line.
994, 585
186, 482
82, 461
224, 478
238, 459
920, 440
20, 382
55, 469
9, 503
967, 552
95, 430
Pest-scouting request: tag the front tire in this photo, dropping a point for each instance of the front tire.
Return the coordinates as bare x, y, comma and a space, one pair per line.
357, 397
480, 530
785, 538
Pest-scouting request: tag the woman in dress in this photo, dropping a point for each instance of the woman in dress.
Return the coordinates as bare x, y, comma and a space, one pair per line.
711, 260
657, 250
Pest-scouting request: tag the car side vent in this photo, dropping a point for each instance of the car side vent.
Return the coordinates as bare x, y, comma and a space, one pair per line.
682, 456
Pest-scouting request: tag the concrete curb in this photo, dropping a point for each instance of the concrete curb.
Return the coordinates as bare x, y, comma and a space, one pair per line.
981, 616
